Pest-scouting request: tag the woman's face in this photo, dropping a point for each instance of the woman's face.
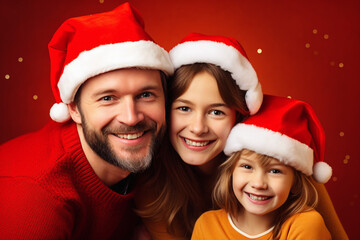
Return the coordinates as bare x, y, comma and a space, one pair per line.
200, 121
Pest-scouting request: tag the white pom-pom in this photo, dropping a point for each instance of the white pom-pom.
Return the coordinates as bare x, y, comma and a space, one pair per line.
254, 99
59, 112
322, 172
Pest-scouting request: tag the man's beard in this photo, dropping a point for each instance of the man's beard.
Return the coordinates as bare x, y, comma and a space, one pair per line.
99, 143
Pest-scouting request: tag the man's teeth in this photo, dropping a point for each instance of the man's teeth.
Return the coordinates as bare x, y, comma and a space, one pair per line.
130, 136
257, 198
196, 144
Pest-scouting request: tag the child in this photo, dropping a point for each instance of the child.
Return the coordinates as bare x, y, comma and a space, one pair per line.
264, 189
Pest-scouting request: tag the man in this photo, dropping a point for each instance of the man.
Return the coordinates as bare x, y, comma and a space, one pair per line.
74, 179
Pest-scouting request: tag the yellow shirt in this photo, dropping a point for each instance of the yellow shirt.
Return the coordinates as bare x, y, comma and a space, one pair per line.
325, 207
217, 225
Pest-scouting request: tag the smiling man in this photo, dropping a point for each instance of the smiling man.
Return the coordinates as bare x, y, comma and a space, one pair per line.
73, 179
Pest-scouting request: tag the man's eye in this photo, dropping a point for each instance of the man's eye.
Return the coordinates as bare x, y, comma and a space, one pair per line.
145, 95
107, 98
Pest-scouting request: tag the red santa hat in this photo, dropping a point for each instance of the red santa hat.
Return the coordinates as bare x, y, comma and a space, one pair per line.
87, 46
225, 52
287, 130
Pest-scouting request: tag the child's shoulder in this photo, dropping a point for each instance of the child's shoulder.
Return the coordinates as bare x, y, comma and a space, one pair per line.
311, 217
219, 213
309, 223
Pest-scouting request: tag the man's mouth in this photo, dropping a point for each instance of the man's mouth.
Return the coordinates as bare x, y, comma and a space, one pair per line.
196, 143
258, 198
130, 136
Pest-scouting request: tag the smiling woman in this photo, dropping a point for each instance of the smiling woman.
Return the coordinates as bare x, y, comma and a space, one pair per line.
200, 122
207, 97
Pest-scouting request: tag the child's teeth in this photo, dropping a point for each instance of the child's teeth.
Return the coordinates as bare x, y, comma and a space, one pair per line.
258, 198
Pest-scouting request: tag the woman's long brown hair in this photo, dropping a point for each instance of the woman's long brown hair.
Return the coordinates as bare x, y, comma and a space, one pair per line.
178, 196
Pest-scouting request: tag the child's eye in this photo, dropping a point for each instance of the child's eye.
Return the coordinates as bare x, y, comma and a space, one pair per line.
276, 171
184, 109
217, 112
245, 166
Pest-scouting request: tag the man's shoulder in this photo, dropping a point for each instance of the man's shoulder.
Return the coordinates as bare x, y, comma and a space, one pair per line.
42, 133
31, 151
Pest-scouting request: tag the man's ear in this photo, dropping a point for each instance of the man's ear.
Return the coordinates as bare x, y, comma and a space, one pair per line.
74, 112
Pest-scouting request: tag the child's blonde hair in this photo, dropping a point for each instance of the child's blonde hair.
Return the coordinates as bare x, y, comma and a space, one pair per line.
302, 197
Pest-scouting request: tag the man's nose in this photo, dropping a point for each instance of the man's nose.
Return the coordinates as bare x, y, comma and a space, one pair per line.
129, 112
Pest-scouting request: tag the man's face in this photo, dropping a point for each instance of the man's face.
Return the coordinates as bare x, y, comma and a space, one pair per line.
122, 114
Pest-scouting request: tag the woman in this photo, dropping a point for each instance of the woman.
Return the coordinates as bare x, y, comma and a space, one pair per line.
214, 87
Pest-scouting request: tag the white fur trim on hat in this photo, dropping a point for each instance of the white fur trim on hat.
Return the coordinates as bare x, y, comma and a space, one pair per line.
254, 99
105, 58
322, 172
59, 112
274, 144
226, 57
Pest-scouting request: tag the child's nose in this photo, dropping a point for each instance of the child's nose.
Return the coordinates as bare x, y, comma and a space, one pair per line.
259, 181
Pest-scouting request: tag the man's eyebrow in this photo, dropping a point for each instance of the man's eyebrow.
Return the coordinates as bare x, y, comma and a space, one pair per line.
151, 87
103, 92
112, 91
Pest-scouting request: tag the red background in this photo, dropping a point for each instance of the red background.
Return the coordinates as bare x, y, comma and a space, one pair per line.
310, 51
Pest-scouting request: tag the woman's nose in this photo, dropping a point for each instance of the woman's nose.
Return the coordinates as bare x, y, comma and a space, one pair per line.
198, 124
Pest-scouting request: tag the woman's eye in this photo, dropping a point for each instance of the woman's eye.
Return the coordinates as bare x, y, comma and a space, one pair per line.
217, 112
184, 109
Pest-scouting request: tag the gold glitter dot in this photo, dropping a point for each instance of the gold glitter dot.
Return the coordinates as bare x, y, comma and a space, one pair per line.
342, 134
346, 161
101, 1
334, 179
35, 97
347, 157
341, 65
7, 76
20, 59
289, 97
315, 31
259, 51
307, 45
326, 36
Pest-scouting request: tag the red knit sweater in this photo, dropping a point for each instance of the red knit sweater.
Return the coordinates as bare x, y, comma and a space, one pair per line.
48, 190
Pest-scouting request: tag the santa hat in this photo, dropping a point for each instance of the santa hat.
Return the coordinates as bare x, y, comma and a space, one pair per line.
287, 130
87, 46
225, 52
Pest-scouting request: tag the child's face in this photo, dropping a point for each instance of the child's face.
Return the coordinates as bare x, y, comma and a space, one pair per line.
261, 189
200, 122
